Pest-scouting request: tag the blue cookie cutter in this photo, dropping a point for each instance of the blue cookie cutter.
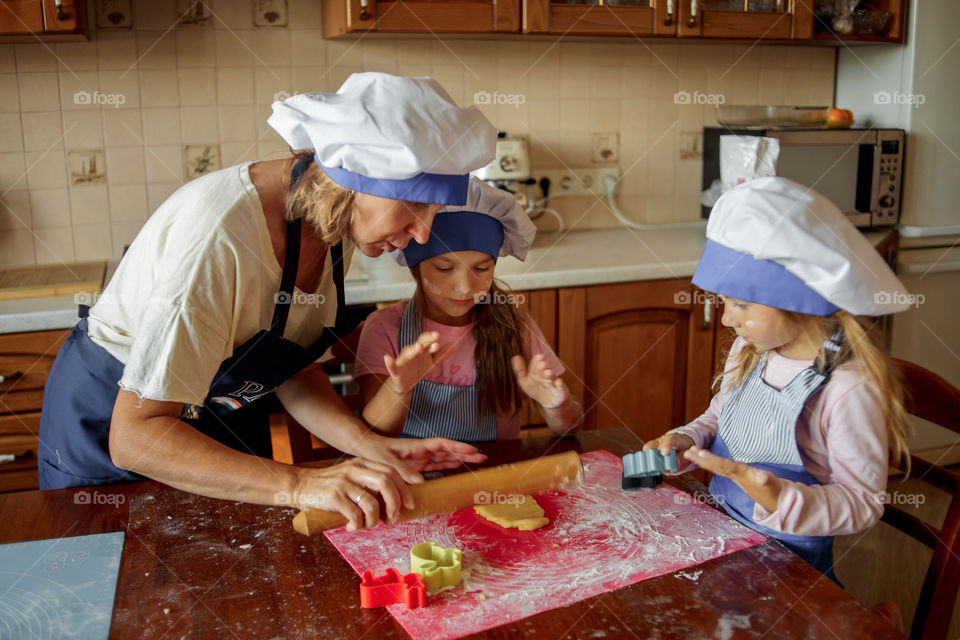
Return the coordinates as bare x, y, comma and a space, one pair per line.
644, 469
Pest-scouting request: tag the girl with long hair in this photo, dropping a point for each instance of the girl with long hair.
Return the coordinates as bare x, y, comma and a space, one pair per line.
809, 413
457, 359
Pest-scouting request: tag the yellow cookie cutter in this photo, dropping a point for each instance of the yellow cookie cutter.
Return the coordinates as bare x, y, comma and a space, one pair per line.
439, 567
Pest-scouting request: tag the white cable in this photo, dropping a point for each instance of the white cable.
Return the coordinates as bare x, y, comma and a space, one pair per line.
555, 215
610, 183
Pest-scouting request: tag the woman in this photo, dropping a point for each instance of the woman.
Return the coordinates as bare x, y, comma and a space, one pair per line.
166, 378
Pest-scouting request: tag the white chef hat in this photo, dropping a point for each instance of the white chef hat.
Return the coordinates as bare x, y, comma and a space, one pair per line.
778, 243
492, 221
389, 136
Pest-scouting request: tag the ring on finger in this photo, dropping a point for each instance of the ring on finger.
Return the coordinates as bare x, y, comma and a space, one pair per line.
358, 498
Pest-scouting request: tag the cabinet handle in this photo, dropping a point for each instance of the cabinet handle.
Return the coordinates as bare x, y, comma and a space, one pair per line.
693, 13
10, 377
363, 10
707, 312
669, 19
60, 14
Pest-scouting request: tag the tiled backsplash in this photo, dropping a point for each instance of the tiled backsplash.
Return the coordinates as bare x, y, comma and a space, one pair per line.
95, 135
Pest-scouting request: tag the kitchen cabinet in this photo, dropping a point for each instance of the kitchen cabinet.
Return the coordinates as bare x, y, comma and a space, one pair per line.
640, 355
27, 20
746, 19
25, 361
601, 18
344, 17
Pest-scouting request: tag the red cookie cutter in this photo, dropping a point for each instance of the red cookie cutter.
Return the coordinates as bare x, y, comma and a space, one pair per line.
391, 588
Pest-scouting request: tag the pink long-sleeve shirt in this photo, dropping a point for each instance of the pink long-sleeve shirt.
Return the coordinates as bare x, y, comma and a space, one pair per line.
842, 441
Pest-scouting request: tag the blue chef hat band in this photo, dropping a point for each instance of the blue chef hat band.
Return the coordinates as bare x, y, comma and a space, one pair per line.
428, 188
739, 275
458, 231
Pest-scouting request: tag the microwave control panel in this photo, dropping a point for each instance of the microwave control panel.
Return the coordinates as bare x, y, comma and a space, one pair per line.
890, 160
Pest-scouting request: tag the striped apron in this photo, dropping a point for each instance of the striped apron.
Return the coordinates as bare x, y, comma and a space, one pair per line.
758, 426
441, 410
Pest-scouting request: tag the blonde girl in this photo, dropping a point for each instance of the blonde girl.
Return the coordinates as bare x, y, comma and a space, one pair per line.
809, 413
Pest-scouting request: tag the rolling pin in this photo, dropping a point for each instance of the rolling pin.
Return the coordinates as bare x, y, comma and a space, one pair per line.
467, 489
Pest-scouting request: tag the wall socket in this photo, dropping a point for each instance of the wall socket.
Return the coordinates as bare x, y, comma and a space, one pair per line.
578, 182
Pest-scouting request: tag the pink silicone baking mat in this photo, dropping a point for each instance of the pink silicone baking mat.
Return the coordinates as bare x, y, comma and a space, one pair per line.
600, 538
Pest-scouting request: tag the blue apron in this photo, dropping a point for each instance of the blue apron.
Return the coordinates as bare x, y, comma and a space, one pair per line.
82, 387
757, 426
441, 410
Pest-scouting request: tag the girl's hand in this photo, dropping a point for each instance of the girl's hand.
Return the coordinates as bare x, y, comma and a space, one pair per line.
539, 382
410, 455
351, 488
669, 441
762, 486
415, 361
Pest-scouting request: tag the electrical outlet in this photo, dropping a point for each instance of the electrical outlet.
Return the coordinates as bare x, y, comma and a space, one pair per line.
578, 182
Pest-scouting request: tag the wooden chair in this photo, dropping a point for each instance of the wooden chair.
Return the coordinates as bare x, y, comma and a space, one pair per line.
932, 398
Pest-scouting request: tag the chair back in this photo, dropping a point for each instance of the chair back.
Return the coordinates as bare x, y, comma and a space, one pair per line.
931, 398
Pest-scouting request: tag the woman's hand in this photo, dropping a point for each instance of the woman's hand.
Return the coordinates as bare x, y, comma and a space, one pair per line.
539, 382
415, 361
351, 488
762, 486
668, 441
410, 455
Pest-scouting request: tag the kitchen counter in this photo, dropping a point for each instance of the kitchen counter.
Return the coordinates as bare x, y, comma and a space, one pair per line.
569, 259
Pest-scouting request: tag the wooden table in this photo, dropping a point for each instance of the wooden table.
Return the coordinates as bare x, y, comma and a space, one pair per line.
198, 567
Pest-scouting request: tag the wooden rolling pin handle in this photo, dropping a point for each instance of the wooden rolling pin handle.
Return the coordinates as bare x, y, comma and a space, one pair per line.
466, 489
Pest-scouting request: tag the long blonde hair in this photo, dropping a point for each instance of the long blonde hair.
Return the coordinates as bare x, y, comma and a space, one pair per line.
860, 350
322, 203
498, 332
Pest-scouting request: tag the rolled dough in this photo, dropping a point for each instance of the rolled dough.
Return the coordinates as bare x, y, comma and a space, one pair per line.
521, 512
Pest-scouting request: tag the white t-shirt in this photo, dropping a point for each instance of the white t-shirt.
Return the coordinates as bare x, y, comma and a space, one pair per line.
199, 280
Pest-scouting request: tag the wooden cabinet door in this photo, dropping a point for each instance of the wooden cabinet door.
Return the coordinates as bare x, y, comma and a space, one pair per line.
746, 19
599, 18
542, 307
641, 354
420, 16
25, 361
21, 16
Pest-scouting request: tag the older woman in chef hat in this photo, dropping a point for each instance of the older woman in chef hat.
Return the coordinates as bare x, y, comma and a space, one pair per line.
457, 359
809, 414
232, 292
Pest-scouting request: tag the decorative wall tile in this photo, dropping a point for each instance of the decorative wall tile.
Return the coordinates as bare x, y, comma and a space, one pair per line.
113, 14
87, 167
270, 13
199, 159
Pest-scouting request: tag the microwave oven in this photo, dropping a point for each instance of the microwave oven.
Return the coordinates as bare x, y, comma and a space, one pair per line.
860, 170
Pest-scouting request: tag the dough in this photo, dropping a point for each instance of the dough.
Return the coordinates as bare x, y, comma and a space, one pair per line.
521, 512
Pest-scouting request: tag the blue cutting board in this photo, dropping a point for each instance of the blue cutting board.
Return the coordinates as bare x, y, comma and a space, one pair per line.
59, 588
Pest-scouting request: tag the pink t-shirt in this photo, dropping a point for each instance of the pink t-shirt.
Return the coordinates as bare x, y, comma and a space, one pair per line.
379, 337
842, 441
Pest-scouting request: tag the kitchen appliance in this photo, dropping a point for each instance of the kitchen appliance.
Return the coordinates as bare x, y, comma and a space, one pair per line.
512, 161
860, 170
